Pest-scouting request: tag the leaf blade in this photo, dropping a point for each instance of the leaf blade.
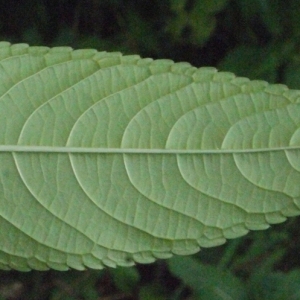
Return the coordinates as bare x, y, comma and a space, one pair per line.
108, 160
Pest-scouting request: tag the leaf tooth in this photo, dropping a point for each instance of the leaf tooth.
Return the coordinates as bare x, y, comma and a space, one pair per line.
38, 50
36, 264
186, 247
4, 44
162, 255
224, 76
207, 242
19, 49
109, 263
276, 217
58, 266
143, 257
92, 262
236, 230
84, 54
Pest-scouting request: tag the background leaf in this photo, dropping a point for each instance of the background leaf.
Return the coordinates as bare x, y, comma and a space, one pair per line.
208, 282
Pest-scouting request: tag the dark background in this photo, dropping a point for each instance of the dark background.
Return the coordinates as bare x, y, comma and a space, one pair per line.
259, 39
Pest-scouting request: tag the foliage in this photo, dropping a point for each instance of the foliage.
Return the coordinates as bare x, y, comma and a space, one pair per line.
269, 29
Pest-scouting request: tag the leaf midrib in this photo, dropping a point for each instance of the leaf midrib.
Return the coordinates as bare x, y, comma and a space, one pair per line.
67, 149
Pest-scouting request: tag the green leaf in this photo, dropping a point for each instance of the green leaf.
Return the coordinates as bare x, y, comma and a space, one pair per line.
207, 282
268, 11
152, 292
125, 279
258, 63
277, 286
109, 160
194, 22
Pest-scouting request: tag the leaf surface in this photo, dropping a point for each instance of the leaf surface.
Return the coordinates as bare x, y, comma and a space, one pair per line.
109, 160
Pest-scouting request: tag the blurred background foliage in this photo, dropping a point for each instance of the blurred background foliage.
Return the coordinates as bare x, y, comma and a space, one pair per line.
259, 39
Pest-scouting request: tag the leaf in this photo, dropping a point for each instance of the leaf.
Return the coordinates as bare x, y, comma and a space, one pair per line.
265, 14
109, 160
125, 279
193, 22
262, 63
207, 282
277, 286
152, 292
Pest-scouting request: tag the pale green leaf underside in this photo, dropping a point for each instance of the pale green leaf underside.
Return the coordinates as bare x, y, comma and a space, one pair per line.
109, 160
